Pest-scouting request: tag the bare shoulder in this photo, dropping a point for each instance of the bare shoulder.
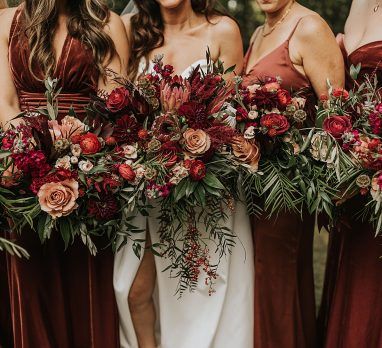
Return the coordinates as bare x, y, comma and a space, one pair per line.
313, 27
126, 19
115, 25
224, 25
6, 18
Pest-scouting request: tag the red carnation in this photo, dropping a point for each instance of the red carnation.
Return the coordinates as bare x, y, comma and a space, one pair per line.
276, 124
126, 130
340, 93
90, 144
118, 99
284, 98
197, 170
337, 125
126, 172
104, 208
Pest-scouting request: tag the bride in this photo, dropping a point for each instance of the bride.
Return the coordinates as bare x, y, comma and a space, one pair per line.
182, 30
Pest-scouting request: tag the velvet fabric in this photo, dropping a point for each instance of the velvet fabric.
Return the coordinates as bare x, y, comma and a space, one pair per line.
59, 299
351, 310
284, 284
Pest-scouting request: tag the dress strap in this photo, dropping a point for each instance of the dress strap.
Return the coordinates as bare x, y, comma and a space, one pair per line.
15, 22
295, 27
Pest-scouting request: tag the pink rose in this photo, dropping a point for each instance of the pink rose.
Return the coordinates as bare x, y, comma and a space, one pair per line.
58, 198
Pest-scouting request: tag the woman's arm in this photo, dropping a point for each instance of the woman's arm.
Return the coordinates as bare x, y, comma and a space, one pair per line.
319, 54
118, 63
227, 33
9, 101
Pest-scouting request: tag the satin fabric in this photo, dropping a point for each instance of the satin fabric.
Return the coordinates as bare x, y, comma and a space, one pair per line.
223, 320
351, 309
59, 299
284, 292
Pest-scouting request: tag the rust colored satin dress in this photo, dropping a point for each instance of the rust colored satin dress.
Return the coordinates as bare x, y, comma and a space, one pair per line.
284, 284
59, 299
351, 310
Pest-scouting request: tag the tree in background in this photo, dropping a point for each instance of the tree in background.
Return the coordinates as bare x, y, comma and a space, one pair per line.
249, 16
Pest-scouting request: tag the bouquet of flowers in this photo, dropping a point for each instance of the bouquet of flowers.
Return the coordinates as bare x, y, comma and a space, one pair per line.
63, 176
185, 149
291, 175
354, 120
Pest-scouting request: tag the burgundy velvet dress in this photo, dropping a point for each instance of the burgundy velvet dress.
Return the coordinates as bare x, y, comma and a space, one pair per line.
351, 310
59, 299
284, 283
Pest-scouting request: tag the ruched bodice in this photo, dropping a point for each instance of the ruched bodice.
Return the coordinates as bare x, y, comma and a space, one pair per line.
75, 70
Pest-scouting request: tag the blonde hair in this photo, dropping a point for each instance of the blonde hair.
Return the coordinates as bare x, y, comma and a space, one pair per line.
86, 22
3, 4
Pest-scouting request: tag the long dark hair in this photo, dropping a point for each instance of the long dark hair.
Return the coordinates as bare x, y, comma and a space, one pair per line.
87, 19
147, 28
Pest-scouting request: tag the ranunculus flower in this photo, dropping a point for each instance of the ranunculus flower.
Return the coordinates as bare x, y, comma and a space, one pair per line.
126, 172
197, 170
197, 142
340, 93
90, 144
276, 124
58, 198
246, 152
337, 125
63, 162
118, 99
130, 151
85, 166
284, 97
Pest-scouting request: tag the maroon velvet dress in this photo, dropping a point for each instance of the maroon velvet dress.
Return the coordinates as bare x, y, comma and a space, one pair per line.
351, 311
284, 284
59, 299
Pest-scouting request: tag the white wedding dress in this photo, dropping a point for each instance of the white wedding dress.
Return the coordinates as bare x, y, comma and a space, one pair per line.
196, 320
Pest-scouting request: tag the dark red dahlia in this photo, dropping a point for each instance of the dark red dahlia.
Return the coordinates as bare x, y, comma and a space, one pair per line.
126, 130
265, 100
104, 208
195, 114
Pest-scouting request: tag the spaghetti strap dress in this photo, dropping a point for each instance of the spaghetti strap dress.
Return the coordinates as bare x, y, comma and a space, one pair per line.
284, 291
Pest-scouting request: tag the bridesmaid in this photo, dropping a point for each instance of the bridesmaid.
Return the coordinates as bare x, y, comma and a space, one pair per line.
351, 312
5, 314
59, 299
296, 44
182, 30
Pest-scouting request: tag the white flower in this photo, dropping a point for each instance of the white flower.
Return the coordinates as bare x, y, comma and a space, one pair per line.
253, 114
249, 133
73, 160
85, 166
179, 173
253, 88
229, 115
76, 150
63, 162
140, 172
129, 162
320, 148
130, 151
299, 102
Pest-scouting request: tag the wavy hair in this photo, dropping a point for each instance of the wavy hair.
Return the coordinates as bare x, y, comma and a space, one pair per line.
147, 28
3, 4
86, 22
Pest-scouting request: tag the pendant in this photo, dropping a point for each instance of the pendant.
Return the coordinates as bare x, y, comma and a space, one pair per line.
376, 8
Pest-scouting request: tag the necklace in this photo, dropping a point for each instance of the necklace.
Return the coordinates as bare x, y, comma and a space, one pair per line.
271, 30
376, 7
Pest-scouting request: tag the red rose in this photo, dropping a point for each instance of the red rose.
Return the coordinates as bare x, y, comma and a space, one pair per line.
276, 124
284, 97
340, 93
337, 125
118, 99
90, 144
126, 172
197, 170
